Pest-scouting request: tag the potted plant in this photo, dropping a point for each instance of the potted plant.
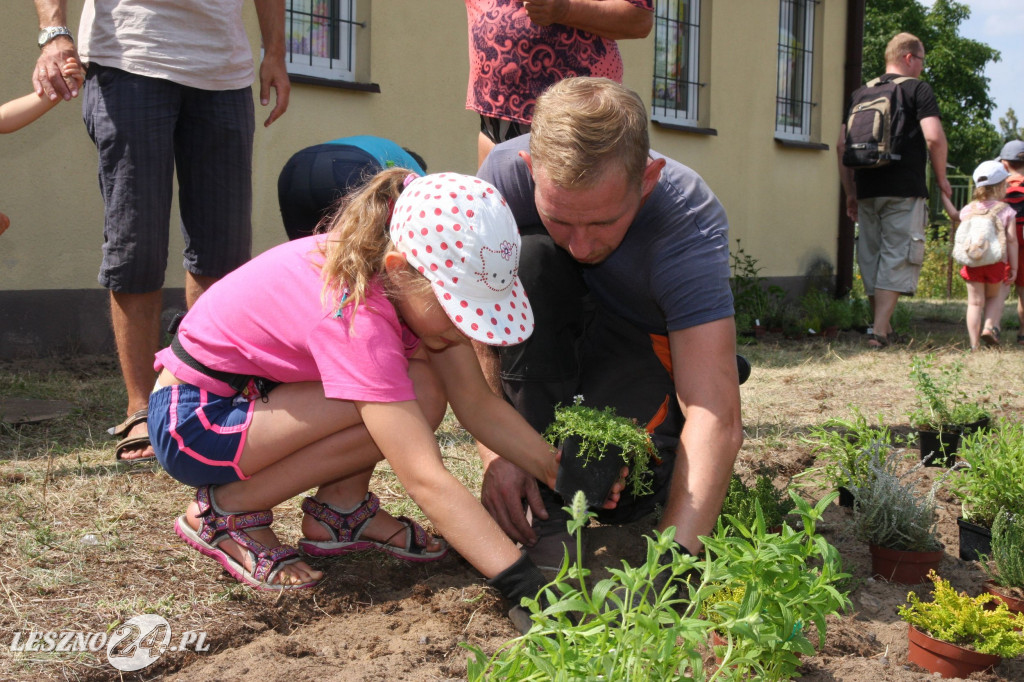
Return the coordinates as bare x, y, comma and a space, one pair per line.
1007, 580
897, 522
741, 502
991, 478
942, 411
596, 444
768, 594
955, 635
844, 450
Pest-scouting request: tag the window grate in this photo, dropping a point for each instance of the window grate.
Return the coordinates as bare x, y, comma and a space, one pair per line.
794, 97
321, 38
676, 61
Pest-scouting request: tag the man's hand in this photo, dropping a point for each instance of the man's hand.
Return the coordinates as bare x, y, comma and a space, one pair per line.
273, 74
502, 492
851, 208
48, 79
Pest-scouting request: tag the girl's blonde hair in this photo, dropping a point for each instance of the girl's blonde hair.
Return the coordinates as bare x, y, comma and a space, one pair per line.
986, 192
358, 238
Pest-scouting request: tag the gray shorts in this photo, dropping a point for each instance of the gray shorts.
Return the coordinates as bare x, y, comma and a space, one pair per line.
144, 128
890, 242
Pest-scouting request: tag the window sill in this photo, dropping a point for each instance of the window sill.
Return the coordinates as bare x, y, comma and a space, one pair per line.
797, 144
330, 83
681, 127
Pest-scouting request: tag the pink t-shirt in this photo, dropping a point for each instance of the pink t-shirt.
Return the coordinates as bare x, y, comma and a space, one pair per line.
512, 59
267, 319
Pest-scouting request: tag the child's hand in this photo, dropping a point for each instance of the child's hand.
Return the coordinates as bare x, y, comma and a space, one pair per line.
5, 222
73, 72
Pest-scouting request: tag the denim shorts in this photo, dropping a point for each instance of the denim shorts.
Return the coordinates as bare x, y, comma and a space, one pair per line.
198, 436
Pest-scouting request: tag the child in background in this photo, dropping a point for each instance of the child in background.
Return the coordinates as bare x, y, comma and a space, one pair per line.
988, 285
18, 113
363, 334
1012, 158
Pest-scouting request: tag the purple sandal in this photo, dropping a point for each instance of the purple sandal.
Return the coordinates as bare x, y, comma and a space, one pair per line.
346, 529
218, 525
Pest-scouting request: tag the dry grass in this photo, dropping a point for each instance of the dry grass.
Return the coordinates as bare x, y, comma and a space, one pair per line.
87, 543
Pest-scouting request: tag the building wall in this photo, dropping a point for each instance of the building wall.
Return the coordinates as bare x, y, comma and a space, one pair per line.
781, 201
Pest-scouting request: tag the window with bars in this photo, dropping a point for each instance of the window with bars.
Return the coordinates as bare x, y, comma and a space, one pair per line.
321, 38
794, 94
676, 61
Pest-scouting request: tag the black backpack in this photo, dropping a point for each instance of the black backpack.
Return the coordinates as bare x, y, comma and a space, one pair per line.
876, 126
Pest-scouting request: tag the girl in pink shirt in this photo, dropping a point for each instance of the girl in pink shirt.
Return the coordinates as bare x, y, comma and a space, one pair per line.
308, 365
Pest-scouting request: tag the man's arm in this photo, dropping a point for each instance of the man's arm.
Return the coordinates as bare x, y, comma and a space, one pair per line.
47, 78
707, 386
938, 149
273, 73
846, 177
612, 19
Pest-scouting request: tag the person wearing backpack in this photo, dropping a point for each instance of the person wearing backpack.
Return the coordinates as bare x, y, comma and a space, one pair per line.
1012, 158
883, 175
986, 245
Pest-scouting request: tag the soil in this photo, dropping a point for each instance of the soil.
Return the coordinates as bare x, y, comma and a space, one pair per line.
377, 618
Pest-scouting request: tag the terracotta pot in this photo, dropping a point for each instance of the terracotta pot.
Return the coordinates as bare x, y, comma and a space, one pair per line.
717, 640
938, 449
1015, 604
830, 332
974, 540
948, 660
901, 566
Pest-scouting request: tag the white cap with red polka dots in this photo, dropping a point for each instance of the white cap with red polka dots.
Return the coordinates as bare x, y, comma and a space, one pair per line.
458, 231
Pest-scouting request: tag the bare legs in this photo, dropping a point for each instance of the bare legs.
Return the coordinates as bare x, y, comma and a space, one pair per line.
884, 305
300, 440
136, 322
985, 304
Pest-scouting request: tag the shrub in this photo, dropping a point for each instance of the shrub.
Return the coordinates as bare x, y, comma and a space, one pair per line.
992, 477
741, 501
1007, 550
938, 399
958, 619
888, 512
845, 449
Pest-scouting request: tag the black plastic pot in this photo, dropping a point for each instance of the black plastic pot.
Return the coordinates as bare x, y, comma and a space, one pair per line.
974, 540
845, 497
595, 478
938, 449
980, 425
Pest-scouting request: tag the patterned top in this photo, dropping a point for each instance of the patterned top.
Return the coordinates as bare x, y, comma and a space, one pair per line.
512, 60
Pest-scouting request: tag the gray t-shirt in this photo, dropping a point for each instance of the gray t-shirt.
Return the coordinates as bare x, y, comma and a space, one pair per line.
670, 272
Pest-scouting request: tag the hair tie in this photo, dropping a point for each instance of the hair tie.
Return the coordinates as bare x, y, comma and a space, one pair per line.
408, 178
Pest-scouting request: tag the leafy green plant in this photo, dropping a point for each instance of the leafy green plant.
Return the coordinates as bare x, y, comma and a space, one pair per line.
965, 621
992, 476
741, 501
774, 591
888, 511
599, 430
1007, 550
845, 449
754, 302
642, 623
939, 402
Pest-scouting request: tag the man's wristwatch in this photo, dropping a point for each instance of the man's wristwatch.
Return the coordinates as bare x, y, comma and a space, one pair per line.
50, 32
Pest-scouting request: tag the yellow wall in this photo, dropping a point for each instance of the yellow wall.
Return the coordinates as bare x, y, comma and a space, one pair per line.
781, 202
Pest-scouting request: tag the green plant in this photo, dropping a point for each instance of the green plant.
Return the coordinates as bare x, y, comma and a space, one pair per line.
741, 501
958, 619
1007, 550
643, 623
888, 512
754, 302
600, 429
845, 449
939, 402
768, 593
992, 476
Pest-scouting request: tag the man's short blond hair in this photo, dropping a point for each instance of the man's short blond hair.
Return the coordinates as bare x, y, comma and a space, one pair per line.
581, 125
902, 44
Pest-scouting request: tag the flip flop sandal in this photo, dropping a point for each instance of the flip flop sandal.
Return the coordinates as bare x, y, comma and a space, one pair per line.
131, 442
346, 530
877, 341
218, 525
1020, 339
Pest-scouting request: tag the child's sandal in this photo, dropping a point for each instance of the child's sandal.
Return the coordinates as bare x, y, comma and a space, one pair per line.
346, 530
217, 525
